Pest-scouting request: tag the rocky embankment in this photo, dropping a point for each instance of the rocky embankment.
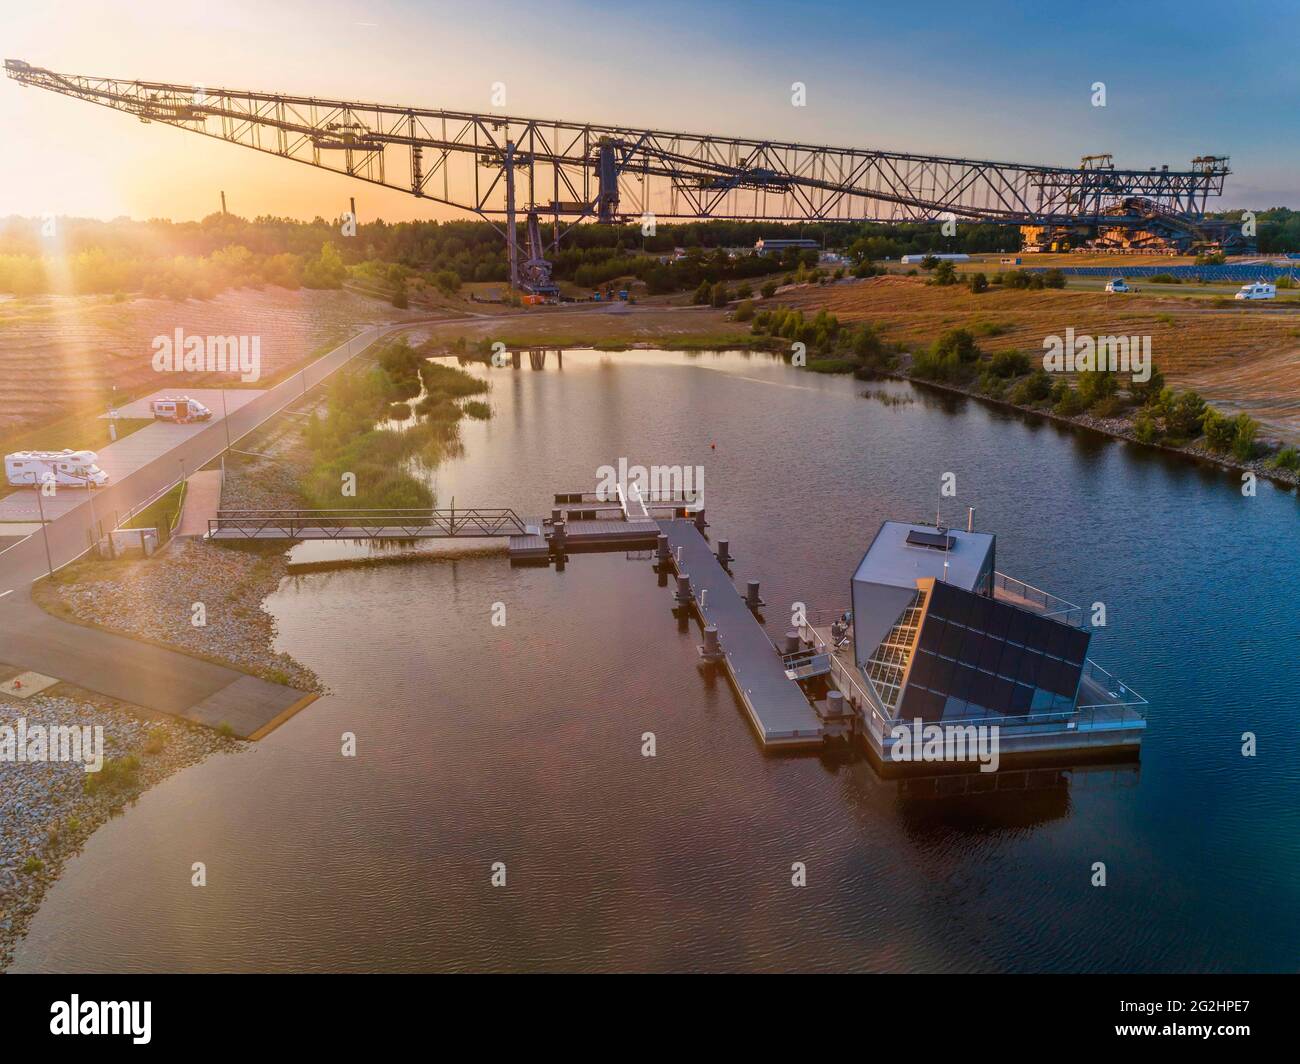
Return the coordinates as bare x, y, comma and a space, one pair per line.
154, 599
48, 809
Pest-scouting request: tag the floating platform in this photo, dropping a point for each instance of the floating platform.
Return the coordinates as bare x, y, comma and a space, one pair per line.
777, 708
599, 534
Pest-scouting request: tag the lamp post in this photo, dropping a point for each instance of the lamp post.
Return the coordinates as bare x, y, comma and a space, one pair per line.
45, 532
225, 415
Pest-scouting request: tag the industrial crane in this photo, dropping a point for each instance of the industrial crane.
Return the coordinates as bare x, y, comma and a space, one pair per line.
570, 172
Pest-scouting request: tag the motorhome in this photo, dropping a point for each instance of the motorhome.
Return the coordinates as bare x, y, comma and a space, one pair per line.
1258, 290
180, 409
64, 468
1117, 285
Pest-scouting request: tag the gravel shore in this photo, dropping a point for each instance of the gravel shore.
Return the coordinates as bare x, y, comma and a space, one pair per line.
47, 808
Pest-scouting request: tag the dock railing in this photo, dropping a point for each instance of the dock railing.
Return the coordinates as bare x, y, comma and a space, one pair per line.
465, 521
1040, 601
1121, 706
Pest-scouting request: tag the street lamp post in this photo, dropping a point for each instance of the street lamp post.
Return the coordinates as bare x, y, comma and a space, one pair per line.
45, 532
225, 415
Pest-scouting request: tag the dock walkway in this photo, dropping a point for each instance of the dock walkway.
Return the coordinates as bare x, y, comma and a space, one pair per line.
776, 705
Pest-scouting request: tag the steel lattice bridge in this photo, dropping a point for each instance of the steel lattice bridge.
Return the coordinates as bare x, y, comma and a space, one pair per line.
497, 166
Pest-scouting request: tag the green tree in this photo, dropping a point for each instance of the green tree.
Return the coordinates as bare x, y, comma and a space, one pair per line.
1245, 429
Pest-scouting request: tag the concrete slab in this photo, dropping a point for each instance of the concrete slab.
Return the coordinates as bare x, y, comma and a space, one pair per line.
209, 397
26, 684
251, 706
202, 501
129, 454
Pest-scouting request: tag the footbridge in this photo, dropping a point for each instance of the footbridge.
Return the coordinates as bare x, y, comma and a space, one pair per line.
365, 524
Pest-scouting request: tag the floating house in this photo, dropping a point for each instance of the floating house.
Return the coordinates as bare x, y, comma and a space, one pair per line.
937, 635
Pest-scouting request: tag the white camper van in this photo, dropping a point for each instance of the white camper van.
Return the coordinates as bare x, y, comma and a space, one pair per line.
73, 469
1258, 290
1117, 285
180, 409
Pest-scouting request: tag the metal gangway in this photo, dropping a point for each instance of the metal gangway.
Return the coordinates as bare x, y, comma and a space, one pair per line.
424, 523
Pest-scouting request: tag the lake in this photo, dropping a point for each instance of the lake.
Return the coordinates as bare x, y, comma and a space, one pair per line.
522, 744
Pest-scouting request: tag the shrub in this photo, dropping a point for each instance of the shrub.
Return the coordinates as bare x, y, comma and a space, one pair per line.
1009, 364
702, 294
1245, 429
979, 282
944, 274
768, 289
1109, 406
447, 281
1066, 401
745, 310
1183, 414
1287, 458
1033, 389
33, 865
1145, 428
477, 409
1219, 431
959, 342
1053, 279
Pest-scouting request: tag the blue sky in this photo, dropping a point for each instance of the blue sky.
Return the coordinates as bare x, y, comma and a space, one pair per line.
985, 80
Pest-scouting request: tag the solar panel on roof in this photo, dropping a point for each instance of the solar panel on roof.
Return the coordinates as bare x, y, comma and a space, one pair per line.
941, 675
963, 681
1002, 689
1029, 664
1076, 645
1056, 640
1009, 663
991, 654
1039, 633
1019, 629
971, 645
1068, 680
933, 540
950, 644
931, 633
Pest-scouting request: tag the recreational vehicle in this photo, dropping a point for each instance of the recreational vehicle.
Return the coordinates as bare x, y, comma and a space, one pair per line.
67, 468
1117, 285
180, 409
1258, 290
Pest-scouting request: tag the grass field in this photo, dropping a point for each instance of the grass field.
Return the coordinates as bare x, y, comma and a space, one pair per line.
1243, 357
162, 513
84, 431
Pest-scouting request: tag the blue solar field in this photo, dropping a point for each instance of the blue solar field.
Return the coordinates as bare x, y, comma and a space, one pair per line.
1237, 273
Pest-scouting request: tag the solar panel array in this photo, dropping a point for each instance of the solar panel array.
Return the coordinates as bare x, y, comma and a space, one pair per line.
1242, 273
977, 657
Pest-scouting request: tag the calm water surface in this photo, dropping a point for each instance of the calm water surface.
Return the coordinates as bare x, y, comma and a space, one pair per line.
522, 744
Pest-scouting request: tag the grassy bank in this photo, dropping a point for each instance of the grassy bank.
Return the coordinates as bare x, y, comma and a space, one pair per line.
356, 463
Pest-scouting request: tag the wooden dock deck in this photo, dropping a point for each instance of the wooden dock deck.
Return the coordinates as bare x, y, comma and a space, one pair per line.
776, 705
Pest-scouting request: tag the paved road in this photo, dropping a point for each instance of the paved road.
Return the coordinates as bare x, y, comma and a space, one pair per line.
123, 668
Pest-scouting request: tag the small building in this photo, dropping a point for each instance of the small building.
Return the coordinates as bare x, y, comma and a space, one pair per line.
766, 246
916, 260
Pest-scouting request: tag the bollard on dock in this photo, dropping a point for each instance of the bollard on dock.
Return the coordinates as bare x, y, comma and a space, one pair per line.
712, 648
724, 552
700, 523
684, 589
661, 546
791, 644
751, 595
